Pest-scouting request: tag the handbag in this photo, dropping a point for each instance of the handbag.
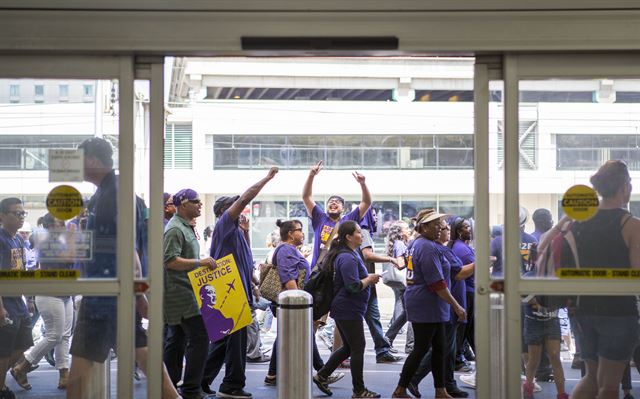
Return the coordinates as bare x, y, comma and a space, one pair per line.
270, 285
393, 275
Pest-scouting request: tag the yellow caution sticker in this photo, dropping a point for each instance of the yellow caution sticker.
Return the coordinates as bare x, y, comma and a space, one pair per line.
52, 274
64, 202
580, 202
598, 273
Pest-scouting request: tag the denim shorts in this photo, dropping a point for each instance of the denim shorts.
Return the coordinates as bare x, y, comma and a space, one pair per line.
538, 331
15, 336
612, 337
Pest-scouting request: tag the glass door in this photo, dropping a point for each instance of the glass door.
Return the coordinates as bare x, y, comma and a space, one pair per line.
570, 126
75, 215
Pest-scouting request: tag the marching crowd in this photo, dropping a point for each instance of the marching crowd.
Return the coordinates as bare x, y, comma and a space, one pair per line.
429, 264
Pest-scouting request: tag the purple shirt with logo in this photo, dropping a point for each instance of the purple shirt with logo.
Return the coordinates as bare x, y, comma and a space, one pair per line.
12, 257
427, 269
323, 225
290, 262
467, 256
349, 269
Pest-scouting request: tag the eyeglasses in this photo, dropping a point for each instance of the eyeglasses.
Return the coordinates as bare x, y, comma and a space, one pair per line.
18, 213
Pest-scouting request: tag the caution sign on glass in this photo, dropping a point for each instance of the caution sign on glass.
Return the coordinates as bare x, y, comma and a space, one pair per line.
64, 202
580, 202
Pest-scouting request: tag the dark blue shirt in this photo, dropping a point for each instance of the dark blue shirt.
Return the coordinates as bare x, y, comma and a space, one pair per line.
458, 288
228, 238
467, 256
526, 243
427, 269
12, 257
349, 269
103, 222
290, 263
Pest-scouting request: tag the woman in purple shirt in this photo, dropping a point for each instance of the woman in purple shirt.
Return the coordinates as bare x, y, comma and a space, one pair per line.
428, 302
351, 286
290, 263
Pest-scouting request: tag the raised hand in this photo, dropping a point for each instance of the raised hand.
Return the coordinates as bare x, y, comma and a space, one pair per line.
359, 177
315, 169
272, 172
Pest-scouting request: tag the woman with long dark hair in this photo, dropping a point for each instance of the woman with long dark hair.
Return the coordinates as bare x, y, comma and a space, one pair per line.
351, 286
428, 302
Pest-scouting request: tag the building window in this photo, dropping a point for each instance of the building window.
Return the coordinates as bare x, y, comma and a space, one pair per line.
39, 90
14, 90
528, 141
63, 93
178, 146
589, 151
87, 91
342, 151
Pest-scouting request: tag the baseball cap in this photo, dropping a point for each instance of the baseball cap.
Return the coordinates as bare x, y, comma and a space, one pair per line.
184, 195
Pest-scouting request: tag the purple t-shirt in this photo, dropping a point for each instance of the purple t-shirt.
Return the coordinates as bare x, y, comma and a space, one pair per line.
495, 249
457, 287
426, 270
12, 257
289, 262
466, 255
349, 269
228, 238
323, 225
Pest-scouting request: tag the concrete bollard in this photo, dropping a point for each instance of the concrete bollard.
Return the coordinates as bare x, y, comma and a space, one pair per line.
295, 320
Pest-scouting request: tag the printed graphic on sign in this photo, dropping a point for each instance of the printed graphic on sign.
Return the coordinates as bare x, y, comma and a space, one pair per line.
66, 165
221, 298
64, 202
580, 202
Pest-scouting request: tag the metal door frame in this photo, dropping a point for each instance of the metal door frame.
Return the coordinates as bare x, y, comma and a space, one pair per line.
126, 70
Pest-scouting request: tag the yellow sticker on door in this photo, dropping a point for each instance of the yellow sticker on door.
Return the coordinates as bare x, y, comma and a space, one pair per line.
64, 202
580, 202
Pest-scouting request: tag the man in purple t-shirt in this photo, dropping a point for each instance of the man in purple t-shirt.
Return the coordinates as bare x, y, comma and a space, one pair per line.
231, 236
322, 222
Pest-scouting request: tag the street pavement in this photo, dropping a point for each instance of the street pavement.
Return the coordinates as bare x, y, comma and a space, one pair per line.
381, 378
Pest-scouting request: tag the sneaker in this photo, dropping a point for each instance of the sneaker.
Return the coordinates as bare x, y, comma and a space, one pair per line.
527, 390
366, 394
413, 389
387, 358
322, 385
236, 393
393, 350
270, 381
194, 395
6, 393
468, 380
565, 395
333, 378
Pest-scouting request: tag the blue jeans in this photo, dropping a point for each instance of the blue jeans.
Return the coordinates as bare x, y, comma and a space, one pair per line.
372, 318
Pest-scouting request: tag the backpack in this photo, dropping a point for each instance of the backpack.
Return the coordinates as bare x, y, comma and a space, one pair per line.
561, 252
320, 287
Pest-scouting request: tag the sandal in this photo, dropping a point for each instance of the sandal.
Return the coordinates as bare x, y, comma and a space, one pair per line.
366, 394
21, 379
